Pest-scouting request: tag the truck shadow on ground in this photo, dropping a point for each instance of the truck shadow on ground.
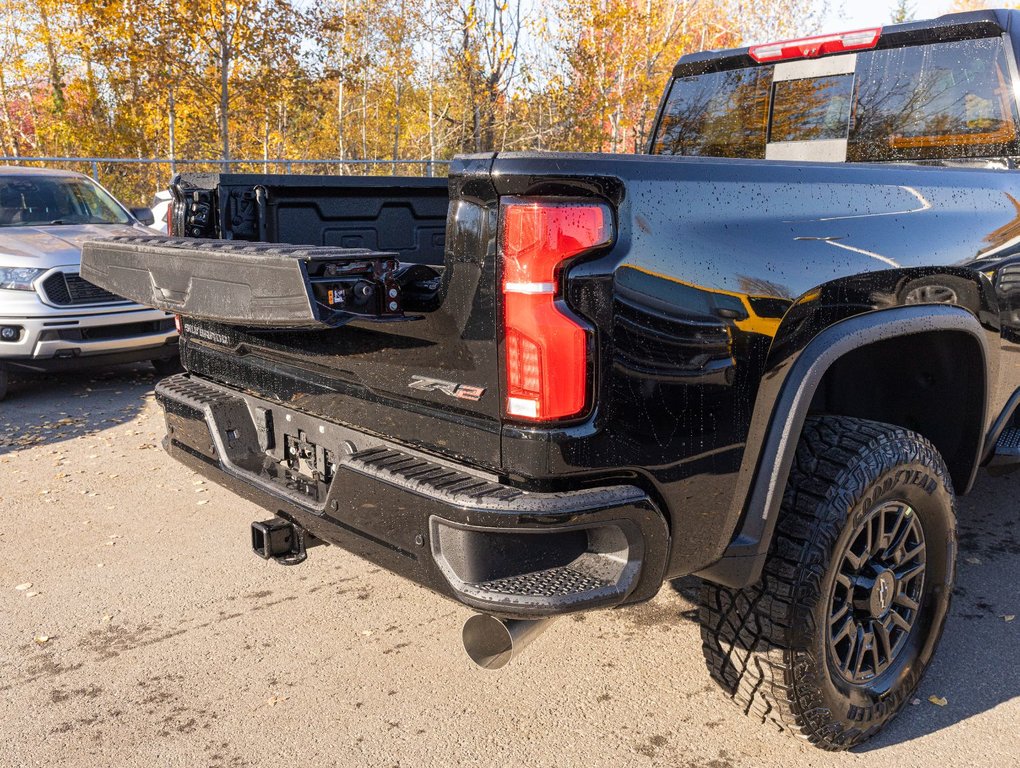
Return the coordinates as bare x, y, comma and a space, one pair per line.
50, 409
974, 669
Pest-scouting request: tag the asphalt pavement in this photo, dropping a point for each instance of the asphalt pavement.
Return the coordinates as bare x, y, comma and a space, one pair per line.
137, 629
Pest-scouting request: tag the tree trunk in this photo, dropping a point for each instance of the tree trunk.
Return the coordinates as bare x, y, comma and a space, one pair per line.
432, 107
364, 120
341, 148
642, 127
225, 55
172, 126
9, 138
55, 74
396, 124
489, 116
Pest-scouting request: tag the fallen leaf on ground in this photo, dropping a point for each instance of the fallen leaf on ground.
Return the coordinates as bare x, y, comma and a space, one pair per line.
23, 587
974, 560
914, 702
938, 701
203, 501
1008, 616
107, 618
31, 594
41, 639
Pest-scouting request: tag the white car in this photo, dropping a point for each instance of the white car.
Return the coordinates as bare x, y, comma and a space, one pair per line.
50, 318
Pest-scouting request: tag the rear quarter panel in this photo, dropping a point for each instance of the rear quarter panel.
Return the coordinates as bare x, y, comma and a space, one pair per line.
722, 272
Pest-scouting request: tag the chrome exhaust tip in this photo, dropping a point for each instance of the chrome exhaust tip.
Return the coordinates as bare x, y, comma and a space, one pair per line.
493, 643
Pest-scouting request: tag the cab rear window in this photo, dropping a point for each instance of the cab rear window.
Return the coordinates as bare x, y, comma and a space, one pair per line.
929, 102
933, 101
719, 114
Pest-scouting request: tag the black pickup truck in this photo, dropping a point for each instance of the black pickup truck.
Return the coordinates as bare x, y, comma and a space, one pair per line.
769, 352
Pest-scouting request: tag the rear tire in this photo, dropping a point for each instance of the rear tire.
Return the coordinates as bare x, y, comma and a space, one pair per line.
4, 381
827, 645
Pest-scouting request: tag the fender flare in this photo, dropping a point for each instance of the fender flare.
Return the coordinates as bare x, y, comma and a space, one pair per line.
742, 562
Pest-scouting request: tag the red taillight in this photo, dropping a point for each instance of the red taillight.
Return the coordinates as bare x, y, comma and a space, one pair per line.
811, 47
546, 347
178, 325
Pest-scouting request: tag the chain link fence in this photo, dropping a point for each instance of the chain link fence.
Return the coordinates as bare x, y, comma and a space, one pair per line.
136, 180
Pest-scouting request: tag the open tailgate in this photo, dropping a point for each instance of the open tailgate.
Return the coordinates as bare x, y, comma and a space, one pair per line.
353, 336
258, 285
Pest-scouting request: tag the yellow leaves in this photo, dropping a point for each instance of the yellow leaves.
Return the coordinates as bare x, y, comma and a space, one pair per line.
356, 79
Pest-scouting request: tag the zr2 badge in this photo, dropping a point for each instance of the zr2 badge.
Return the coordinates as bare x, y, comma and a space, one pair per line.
451, 388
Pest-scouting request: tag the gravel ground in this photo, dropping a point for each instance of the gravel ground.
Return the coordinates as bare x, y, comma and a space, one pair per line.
169, 644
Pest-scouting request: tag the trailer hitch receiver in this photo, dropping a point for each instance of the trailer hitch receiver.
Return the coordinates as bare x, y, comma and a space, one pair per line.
282, 541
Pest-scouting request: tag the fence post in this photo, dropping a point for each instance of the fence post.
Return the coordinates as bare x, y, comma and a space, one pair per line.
95, 171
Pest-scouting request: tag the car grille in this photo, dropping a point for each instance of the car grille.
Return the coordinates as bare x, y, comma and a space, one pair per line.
68, 289
101, 332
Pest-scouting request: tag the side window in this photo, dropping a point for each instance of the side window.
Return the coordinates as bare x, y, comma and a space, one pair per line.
719, 114
946, 100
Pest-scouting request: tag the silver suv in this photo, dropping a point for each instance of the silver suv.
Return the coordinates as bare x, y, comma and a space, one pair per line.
50, 318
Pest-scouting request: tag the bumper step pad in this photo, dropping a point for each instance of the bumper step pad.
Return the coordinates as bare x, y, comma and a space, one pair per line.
555, 582
1008, 444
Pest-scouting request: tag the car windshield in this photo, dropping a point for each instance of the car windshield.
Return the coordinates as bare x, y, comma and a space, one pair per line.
40, 200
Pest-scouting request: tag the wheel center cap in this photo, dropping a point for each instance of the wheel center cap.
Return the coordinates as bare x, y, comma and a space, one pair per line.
882, 594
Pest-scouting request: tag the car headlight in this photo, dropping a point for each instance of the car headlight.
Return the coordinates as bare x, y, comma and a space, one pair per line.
19, 278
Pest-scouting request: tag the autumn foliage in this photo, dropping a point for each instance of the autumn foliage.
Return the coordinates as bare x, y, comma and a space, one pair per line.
348, 80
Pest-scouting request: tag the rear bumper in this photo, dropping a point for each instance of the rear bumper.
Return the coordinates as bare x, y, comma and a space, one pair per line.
65, 340
461, 533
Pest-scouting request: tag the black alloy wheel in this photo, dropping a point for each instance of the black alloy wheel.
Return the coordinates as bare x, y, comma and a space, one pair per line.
877, 592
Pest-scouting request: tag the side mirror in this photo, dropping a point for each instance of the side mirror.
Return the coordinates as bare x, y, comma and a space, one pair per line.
144, 215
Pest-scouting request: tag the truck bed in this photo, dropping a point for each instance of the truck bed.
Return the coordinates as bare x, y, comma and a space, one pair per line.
381, 213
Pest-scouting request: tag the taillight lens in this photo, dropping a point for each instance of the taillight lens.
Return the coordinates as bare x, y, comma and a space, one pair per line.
811, 47
546, 347
178, 325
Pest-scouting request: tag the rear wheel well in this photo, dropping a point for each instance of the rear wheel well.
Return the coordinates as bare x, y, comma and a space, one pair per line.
932, 383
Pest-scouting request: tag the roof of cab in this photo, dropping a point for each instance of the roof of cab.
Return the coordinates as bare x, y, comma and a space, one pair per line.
952, 26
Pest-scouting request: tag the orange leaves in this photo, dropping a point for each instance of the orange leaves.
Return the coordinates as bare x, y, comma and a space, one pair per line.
347, 79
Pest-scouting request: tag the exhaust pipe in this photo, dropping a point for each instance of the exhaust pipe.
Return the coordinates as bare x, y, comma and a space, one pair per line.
493, 643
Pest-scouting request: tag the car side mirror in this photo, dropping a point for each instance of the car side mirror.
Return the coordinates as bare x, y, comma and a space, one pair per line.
144, 215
